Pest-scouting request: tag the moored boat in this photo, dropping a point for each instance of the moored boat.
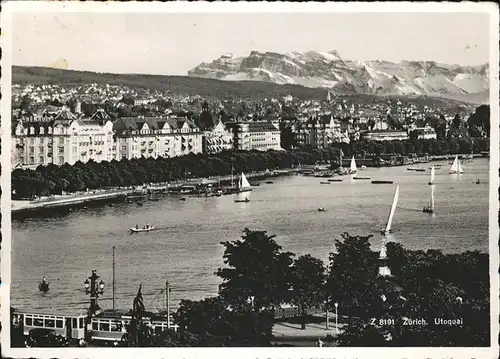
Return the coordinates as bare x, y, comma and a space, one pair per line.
361, 178
382, 182
323, 182
335, 180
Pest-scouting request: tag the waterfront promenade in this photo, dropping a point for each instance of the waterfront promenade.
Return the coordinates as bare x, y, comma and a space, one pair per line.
114, 193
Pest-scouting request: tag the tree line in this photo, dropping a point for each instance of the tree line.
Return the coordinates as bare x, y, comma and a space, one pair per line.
52, 179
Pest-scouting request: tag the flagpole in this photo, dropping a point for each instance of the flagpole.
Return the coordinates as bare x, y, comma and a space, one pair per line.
167, 288
113, 277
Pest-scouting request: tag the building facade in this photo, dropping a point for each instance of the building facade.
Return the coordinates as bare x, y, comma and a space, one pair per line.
60, 139
156, 137
384, 135
424, 133
218, 139
260, 136
320, 132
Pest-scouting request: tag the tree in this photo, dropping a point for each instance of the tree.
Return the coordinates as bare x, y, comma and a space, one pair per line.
25, 103
481, 119
308, 275
360, 334
352, 275
215, 324
258, 269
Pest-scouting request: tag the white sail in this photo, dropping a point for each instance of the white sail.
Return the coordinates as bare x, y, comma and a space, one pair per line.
393, 209
433, 174
460, 168
454, 166
243, 183
353, 168
432, 199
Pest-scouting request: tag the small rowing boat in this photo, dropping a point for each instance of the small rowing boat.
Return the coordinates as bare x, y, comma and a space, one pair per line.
139, 230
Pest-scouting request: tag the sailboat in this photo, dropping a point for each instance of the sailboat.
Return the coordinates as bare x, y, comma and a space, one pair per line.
456, 167
433, 174
387, 229
430, 207
353, 168
243, 184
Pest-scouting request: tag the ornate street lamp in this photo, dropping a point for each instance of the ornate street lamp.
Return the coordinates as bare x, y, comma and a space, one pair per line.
94, 288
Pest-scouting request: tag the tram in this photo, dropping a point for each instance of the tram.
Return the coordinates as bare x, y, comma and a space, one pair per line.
111, 325
67, 325
106, 326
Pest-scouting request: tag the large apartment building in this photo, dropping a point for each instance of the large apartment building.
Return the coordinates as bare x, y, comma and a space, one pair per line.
62, 138
261, 136
320, 132
65, 138
156, 137
218, 139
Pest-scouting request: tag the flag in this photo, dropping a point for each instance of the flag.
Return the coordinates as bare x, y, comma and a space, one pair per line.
138, 301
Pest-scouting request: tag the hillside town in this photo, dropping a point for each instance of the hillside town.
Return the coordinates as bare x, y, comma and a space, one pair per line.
57, 124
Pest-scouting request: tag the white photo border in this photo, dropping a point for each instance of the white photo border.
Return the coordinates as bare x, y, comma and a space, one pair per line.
11, 7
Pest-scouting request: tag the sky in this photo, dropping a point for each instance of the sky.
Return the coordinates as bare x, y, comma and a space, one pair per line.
172, 44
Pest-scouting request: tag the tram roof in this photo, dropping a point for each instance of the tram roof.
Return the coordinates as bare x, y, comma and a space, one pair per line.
51, 312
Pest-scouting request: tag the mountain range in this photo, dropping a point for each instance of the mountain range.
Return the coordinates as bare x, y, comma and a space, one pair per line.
345, 77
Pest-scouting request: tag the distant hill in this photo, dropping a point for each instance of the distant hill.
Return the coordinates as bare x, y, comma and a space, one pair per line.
190, 86
182, 85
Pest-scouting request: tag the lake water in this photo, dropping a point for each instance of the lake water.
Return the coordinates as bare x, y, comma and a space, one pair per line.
185, 249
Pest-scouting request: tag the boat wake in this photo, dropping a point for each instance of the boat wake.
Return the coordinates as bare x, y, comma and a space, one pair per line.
410, 209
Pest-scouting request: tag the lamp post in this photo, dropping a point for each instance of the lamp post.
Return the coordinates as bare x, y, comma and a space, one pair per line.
94, 288
336, 318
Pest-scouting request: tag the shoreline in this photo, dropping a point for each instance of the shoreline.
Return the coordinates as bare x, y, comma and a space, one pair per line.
29, 208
